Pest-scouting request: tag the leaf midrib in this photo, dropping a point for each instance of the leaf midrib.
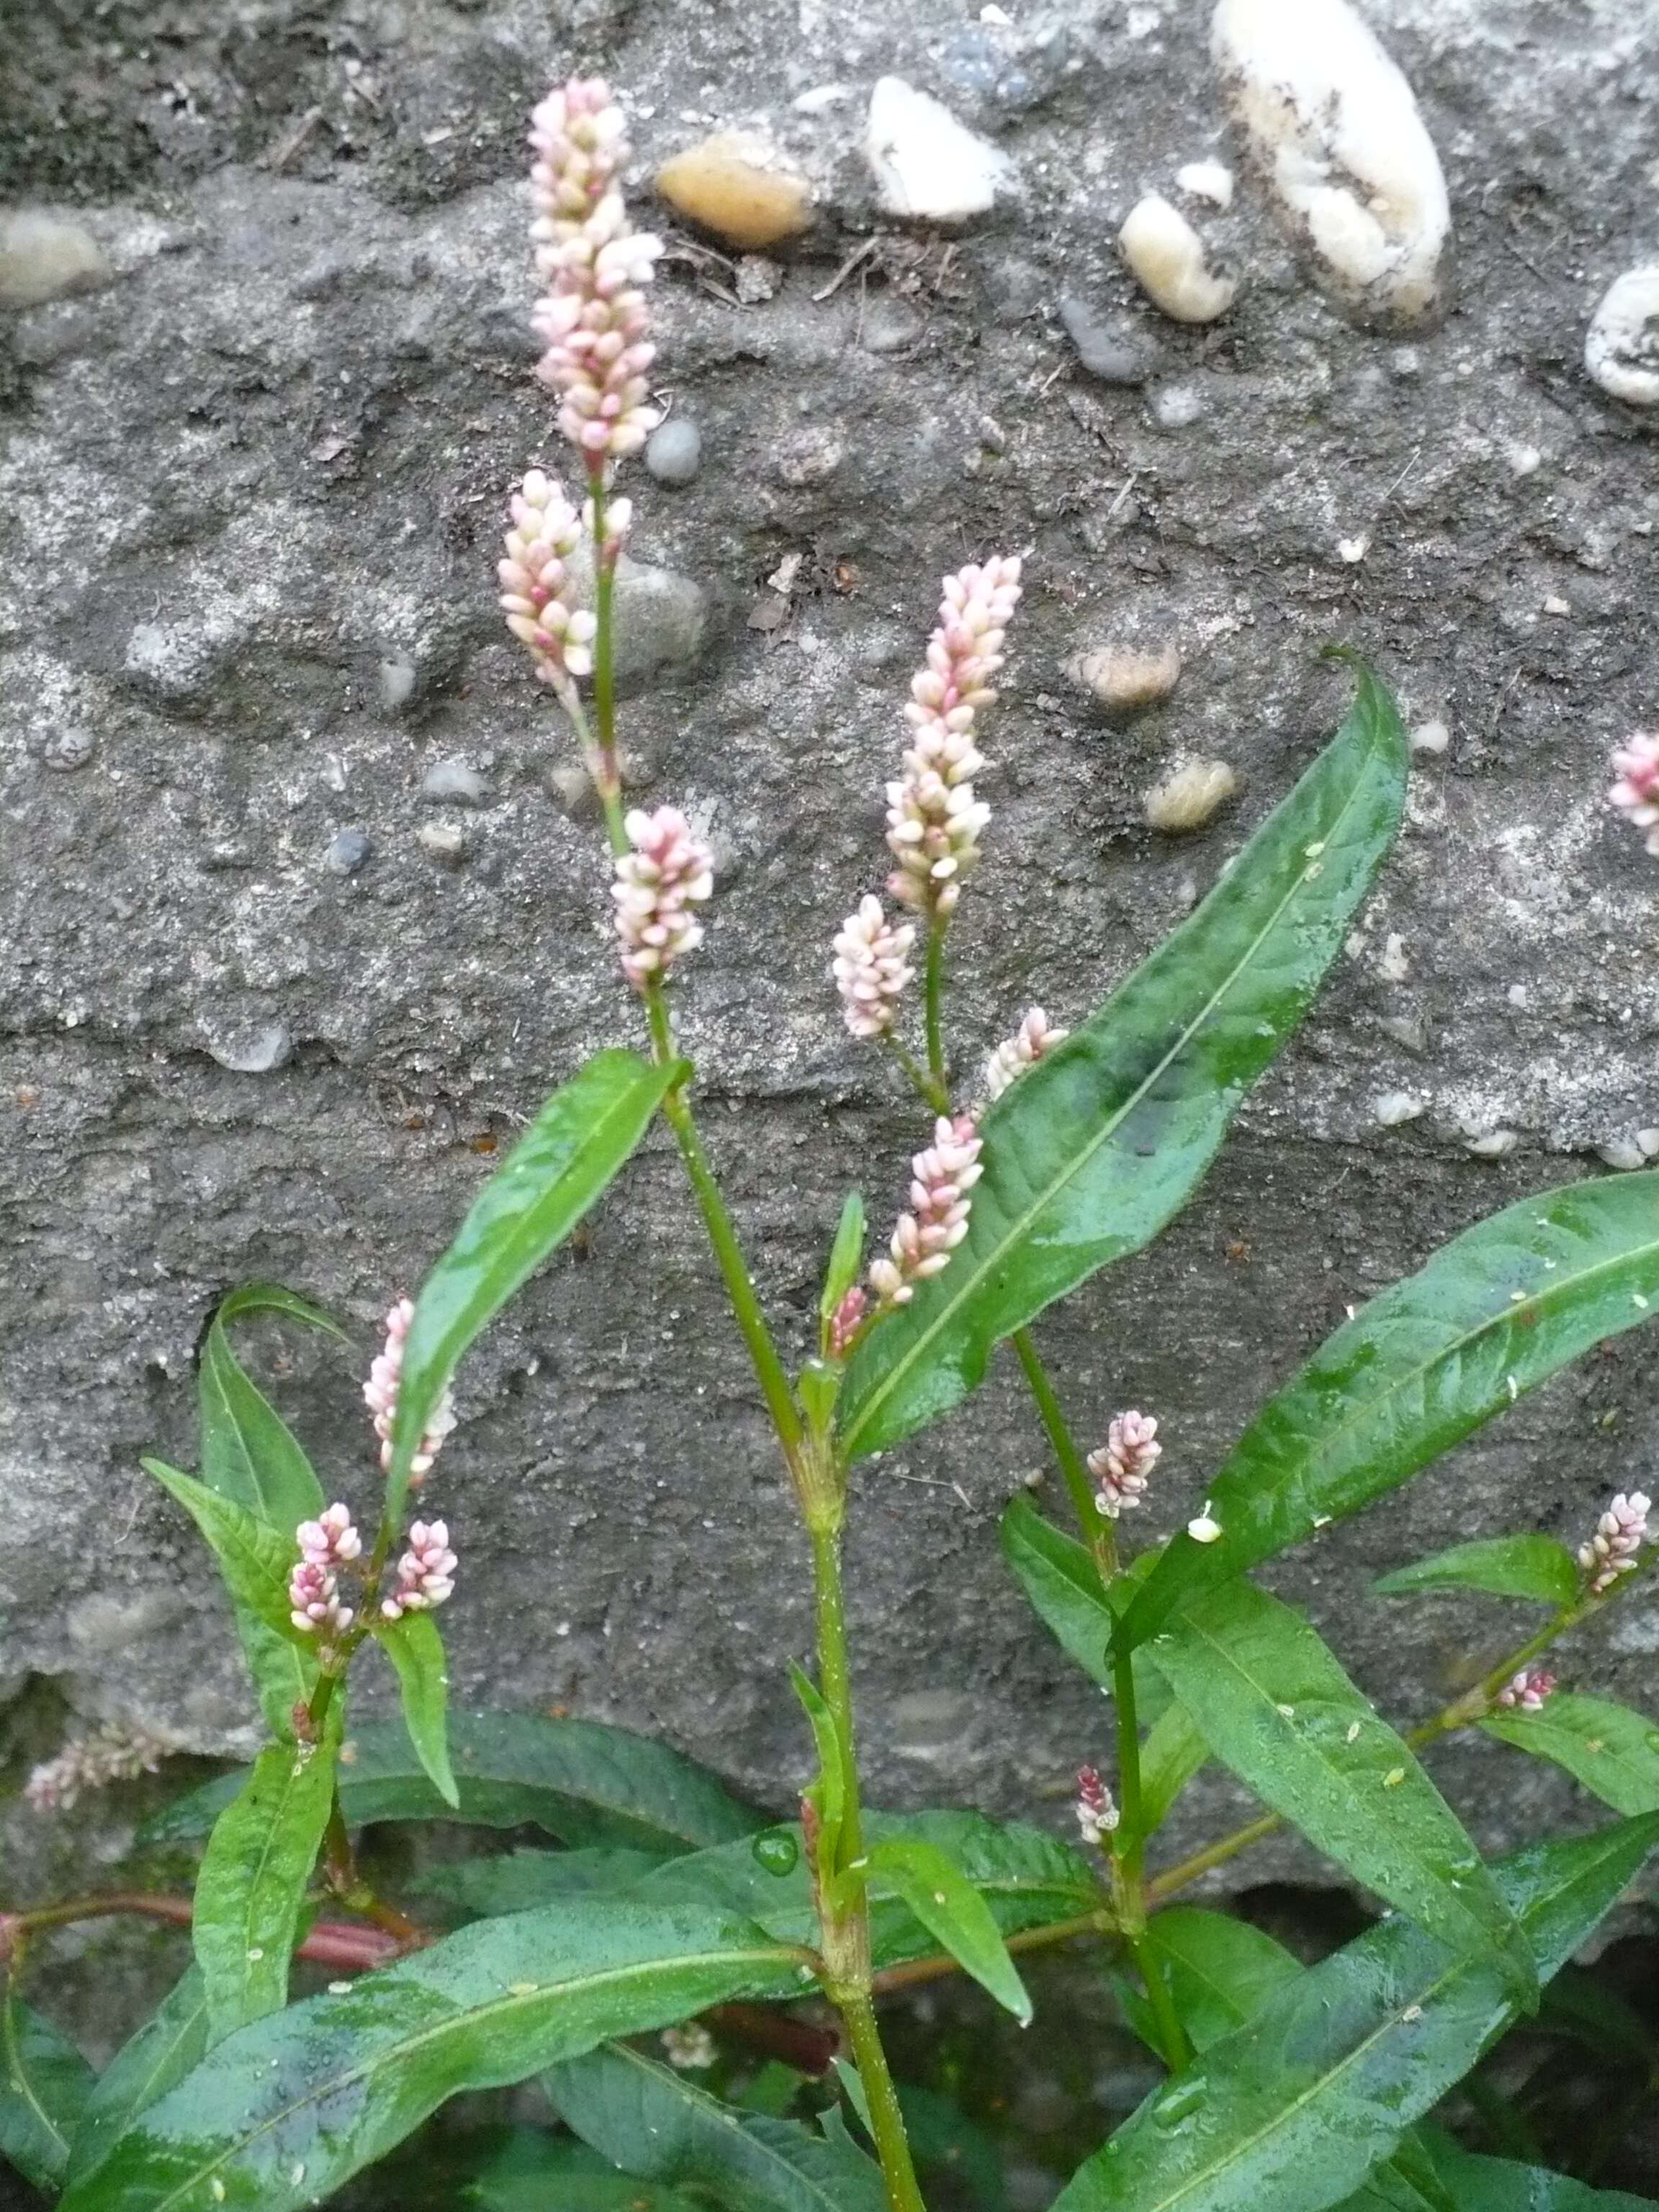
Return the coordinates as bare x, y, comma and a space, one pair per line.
20, 2078
291, 1774
469, 2017
973, 1277
733, 2121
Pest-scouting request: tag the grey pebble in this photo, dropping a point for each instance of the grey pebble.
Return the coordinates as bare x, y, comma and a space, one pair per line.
453, 782
69, 750
397, 673
673, 452
1110, 347
349, 849
1177, 406
248, 1050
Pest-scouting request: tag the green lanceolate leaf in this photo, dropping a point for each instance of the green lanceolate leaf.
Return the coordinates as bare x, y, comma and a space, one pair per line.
1530, 1566
1172, 1754
1272, 1701
1579, 2004
846, 1256
582, 1781
44, 2084
1064, 1586
553, 1175
1294, 2109
1093, 1150
1499, 2184
252, 1886
248, 1453
416, 1651
1493, 1313
282, 2112
656, 2123
254, 1560
553, 2174
954, 1913
159, 2054
1220, 1970
518, 1880
1611, 1750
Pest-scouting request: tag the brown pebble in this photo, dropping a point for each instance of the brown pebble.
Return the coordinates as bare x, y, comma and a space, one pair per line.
1126, 678
737, 186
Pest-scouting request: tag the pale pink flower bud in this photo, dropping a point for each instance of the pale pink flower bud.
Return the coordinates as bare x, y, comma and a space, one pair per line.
315, 1595
846, 1322
942, 1175
1097, 1815
113, 1753
1620, 1535
380, 1396
537, 585
1123, 1465
426, 1572
330, 1540
1034, 1037
1526, 1690
870, 968
657, 884
1637, 791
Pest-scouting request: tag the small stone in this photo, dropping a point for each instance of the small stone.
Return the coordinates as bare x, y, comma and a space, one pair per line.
660, 616
46, 257
454, 782
737, 185
892, 323
1169, 263
1393, 1106
1206, 181
67, 750
250, 1048
757, 279
926, 165
1430, 738
1556, 605
1110, 347
1649, 1141
1125, 679
1623, 1154
444, 841
1394, 964
1523, 460
1493, 1145
1177, 406
348, 851
397, 674
1352, 551
673, 452
1405, 363
1185, 800
1622, 348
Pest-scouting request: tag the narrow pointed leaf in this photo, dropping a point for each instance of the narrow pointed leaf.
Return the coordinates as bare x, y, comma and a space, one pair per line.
1530, 1566
282, 2112
1493, 1313
553, 1175
173, 2040
1294, 2109
556, 2175
846, 1256
656, 2123
518, 1880
1221, 1970
582, 1781
1271, 1700
1611, 1750
1172, 1754
1064, 1586
954, 1913
1093, 1150
1500, 2184
252, 1886
828, 1792
248, 1453
44, 2084
254, 1560
417, 1650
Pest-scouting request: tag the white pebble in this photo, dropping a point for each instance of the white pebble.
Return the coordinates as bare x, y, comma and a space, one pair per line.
673, 452
1524, 460
444, 841
44, 257
396, 682
1392, 965
1353, 550
1648, 1140
1207, 180
1560, 608
1335, 128
1430, 738
926, 164
1393, 1106
1168, 258
453, 781
1186, 800
1495, 1145
1177, 406
1621, 349
1625, 1153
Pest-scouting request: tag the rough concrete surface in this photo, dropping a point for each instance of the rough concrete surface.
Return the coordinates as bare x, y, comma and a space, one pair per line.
252, 482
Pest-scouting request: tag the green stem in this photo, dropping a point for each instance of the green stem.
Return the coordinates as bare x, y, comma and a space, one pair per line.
1127, 1840
1096, 1528
607, 781
1172, 2037
834, 1669
886, 2121
931, 1093
603, 763
934, 988
1128, 1855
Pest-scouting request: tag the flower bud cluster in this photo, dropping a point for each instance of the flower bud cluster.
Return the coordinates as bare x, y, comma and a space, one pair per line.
1097, 1815
1636, 794
537, 585
1034, 1037
113, 1753
426, 1572
1123, 1465
942, 1177
1526, 1692
326, 1545
667, 873
933, 818
593, 318
380, 1396
1620, 1535
872, 967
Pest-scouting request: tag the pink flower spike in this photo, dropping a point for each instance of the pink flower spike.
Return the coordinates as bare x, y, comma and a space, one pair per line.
1635, 763
380, 1396
943, 1176
1097, 1815
668, 872
114, 1753
871, 967
313, 1594
1124, 1463
537, 585
1526, 1690
1034, 1037
426, 1572
330, 1540
1620, 1535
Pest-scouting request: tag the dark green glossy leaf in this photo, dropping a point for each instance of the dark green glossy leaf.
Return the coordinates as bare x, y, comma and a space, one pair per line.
1093, 1150
558, 2175
948, 1906
1611, 1750
417, 1650
44, 2084
283, 2111
1172, 1754
658, 2125
1581, 2005
1499, 2184
1531, 1566
564, 1161
520, 1879
582, 1781
254, 1560
1064, 1586
1220, 1970
1494, 1313
161, 2052
1295, 2109
1271, 1700
255, 1870
946, 2142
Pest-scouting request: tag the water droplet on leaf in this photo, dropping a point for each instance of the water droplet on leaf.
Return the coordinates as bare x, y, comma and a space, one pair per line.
777, 1850
1179, 2101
